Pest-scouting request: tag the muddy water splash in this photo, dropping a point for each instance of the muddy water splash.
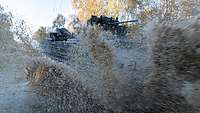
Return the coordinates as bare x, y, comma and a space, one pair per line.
107, 74
105, 65
15, 94
176, 70
103, 58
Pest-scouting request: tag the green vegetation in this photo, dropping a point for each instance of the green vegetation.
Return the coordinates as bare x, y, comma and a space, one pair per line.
144, 10
86, 8
164, 10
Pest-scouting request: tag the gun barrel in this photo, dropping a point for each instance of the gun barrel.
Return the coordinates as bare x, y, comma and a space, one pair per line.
124, 22
127, 21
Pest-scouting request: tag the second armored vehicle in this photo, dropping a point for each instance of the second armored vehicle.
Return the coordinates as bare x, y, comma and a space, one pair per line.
109, 24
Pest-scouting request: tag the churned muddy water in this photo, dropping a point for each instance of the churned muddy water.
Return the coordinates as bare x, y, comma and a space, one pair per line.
104, 80
155, 70
14, 93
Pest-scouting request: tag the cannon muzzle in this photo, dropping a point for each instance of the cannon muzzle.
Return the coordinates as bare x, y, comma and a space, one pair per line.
113, 23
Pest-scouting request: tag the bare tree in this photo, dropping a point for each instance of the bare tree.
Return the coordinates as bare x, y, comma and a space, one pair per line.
23, 33
5, 18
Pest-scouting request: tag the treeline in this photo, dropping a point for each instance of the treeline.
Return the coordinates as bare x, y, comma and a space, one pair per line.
143, 10
164, 10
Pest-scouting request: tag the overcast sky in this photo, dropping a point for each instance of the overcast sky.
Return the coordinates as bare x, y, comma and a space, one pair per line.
38, 12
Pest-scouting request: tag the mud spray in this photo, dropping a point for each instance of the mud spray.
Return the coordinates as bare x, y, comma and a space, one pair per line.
14, 92
110, 74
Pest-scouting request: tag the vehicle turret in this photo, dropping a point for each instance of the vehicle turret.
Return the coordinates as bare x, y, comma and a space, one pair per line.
109, 24
60, 34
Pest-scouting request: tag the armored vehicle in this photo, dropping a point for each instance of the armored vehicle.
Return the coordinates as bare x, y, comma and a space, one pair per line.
59, 44
60, 51
60, 34
109, 24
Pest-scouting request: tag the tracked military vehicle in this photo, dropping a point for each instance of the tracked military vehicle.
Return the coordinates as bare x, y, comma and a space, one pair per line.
59, 44
60, 34
109, 24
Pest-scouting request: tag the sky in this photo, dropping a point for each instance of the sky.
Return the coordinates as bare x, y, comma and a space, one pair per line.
38, 12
